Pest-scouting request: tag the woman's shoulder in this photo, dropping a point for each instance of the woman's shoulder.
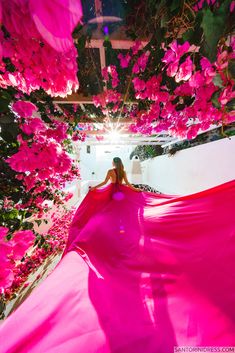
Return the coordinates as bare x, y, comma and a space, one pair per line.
111, 171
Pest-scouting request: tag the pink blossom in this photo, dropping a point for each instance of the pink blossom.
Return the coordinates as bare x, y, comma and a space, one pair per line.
115, 82
21, 241
143, 60
154, 111
200, 4
44, 174
59, 132
8, 203
208, 70
136, 47
124, 60
40, 188
106, 97
3, 232
197, 80
185, 89
112, 72
193, 131
32, 126
222, 60
175, 52
34, 62
172, 69
232, 6
153, 88
29, 182
75, 137
44, 159
105, 73
230, 117
141, 63
75, 107
231, 54
203, 97
135, 69
139, 85
6, 276
68, 196
185, 70
24, 109
226, 95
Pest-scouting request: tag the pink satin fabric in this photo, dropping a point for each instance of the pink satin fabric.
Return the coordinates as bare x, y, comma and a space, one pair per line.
56, 20
141, 274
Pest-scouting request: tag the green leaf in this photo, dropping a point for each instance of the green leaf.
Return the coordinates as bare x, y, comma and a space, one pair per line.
214, 99
12, 214
230, 133
213, 25
231, 68
176, 6
4, 104
77, 29
38, 221
81, 43
231, 104
193, 36
7, 118
9, 132
217, 80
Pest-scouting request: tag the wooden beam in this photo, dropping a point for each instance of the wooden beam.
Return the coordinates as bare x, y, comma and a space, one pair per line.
113, 143
126, 44
105, 120
78, 98
74, 98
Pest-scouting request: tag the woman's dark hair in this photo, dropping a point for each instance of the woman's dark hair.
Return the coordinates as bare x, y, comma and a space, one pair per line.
119, 167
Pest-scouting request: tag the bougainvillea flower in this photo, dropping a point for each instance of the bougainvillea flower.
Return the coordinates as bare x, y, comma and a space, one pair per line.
32, 126
20, 242
3, 232
124, 60
185, 70
24, 109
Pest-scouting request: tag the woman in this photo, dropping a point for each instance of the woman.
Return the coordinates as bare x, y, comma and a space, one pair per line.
144, 274
117, 175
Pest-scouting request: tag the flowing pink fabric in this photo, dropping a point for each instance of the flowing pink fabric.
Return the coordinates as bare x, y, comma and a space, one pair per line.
56, 20
141, 274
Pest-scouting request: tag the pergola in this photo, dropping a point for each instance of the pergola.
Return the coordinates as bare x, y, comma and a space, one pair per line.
119, 41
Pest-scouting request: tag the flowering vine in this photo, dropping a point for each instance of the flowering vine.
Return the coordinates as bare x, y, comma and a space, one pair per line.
186, 94
18, 264
37, 50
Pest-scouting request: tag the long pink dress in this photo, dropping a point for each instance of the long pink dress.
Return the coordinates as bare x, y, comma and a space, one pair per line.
140, 273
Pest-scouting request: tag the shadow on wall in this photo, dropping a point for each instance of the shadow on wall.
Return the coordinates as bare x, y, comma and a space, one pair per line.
144, 152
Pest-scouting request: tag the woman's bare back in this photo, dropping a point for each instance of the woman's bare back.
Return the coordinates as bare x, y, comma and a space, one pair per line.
113, 176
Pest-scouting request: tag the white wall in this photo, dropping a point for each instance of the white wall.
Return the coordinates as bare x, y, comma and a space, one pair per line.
188, 171
193, 169
99, 160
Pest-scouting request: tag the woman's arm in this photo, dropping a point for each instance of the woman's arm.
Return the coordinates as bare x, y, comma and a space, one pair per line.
129, 184
103, 183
